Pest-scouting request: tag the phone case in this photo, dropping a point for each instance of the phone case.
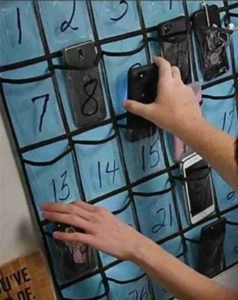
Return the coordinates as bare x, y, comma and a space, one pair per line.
142, 87
174, 45
77, 259
84, 86
212, 41
211, 248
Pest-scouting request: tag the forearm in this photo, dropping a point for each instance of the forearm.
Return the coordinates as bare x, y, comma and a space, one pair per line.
180, 280
217, 147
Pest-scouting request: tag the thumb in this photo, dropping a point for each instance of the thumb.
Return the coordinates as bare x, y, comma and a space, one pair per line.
137, 108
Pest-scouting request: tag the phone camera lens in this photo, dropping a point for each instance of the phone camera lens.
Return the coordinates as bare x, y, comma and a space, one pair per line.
141, 75
80, 53
167, 28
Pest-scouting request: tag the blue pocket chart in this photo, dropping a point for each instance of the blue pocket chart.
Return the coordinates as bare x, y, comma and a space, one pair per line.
137, 180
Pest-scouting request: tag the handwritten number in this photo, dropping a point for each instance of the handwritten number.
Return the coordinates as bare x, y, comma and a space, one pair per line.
162, 212
152, 152
107, 171
231, 114
136, 296
19, 26
230, 195
90, 88
113, 171
44, 108
155, 153
99, 174
64, 188
67, 24
122, 2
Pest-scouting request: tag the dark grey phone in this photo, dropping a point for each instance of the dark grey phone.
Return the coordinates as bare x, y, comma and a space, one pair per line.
84, 84
211, 249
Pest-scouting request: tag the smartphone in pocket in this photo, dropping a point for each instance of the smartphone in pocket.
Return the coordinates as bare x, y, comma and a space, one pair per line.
212, 41
77, 259
84, 85
198, 187
211, 248
174, 45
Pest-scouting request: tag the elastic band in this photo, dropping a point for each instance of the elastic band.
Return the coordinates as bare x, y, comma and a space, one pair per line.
25, 80
218, 97
96, 142
49, 162
126, 281
165, 191
127, 53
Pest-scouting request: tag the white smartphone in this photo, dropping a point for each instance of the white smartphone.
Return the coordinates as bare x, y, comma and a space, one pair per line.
198, 186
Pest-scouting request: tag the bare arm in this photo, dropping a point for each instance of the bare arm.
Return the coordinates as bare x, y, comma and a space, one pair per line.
105, 232
176, 110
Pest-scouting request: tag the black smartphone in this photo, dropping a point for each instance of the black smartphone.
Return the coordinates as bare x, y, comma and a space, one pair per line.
84, 85
77, 259
142, 87
212, 41
174, 45
211, 248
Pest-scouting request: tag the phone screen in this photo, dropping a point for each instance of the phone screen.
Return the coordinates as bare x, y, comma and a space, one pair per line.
200, 187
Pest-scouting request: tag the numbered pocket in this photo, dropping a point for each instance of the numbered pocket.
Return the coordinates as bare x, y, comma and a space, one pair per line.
18, 30
156, 12
51, 175
99, 162
92, 288
62, 78
176, 248
221, 100
115, 17
65, 23
121, 206
127, 281
143, 157
231, 238
32, 106
193, 242
119, 58
156, 208
70, 261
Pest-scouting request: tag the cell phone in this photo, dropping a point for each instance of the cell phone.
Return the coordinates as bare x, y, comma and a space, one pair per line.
211, 248
142, 87
84, 85
212, 41
198, 187
174, 45
77, 259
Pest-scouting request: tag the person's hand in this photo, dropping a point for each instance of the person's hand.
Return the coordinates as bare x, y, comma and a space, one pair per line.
175, 107
102, 230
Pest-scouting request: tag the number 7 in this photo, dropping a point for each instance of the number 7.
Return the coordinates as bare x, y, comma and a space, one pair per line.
44, 108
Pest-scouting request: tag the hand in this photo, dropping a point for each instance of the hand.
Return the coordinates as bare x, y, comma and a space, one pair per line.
102, 230
175, 108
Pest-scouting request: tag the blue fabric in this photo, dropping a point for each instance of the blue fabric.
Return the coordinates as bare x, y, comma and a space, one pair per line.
35, 112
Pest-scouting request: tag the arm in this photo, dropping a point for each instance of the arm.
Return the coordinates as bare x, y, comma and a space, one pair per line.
105, 232
175, 109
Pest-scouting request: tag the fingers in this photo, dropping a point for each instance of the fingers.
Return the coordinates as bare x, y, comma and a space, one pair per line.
84, 205
176, 73
164, 67
137, 108
72, 209
73, 237
70, 219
